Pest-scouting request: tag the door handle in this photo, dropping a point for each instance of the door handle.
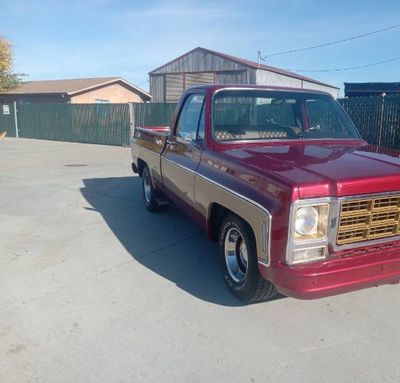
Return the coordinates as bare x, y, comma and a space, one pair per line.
171, 144
196, 144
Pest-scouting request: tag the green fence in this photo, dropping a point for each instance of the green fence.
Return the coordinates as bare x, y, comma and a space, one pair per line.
154, 114
377, 118
91, 123
7, 119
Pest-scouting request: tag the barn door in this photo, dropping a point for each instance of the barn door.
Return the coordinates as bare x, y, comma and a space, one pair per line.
174, 87
203, 78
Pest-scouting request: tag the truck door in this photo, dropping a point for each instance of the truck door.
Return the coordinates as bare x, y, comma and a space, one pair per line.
182, 153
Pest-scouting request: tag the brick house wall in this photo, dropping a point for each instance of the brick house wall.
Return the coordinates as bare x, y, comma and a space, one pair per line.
113, 93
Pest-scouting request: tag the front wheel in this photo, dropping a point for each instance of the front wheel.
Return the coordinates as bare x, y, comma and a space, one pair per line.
238, 260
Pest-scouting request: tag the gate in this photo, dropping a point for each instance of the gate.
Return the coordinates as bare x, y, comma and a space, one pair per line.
7, 119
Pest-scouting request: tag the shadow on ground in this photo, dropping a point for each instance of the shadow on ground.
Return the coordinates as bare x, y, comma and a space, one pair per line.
168, 243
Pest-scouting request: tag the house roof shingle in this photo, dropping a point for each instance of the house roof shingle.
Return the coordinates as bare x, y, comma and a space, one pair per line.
70, 86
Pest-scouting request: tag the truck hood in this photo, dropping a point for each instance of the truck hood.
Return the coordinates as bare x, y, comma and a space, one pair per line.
315, 170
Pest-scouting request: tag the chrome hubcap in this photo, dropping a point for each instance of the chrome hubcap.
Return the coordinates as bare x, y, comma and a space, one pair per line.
236, 257
147, 187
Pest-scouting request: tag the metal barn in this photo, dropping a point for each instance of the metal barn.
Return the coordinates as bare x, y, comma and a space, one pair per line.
204, 66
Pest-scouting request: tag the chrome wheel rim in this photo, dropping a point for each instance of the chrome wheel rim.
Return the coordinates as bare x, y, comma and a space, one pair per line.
236, 256
147, 187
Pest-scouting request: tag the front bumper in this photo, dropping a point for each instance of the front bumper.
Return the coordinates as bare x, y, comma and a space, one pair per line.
335, 276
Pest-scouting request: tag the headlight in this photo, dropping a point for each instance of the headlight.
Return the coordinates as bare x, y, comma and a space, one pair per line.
308, 237
306, 221
311, 222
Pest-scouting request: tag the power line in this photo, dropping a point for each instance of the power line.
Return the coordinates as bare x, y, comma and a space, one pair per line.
143, 82
348, 68
331, 42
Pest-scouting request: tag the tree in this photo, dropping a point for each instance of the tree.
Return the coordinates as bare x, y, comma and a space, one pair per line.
8, 79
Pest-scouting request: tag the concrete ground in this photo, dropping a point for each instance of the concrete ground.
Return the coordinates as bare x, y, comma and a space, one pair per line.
93, 288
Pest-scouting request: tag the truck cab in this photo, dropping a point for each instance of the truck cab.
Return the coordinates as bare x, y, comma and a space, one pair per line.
298, 202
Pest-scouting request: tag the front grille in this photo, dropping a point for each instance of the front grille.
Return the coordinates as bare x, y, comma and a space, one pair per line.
366, 219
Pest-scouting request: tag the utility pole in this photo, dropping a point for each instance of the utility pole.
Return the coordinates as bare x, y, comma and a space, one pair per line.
131, 119
259, 58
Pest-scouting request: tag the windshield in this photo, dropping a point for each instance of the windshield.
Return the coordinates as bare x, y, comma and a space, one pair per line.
269, 115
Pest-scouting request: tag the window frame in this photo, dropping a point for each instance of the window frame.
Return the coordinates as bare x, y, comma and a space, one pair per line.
187, 100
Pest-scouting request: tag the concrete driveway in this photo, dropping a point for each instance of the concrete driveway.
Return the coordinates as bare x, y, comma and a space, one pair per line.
93, 288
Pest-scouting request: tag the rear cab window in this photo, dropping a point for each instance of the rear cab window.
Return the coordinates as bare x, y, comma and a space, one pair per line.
271, 115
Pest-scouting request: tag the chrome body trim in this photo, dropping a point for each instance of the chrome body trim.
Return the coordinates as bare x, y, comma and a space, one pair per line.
266, 226
150, 131
178, 165
148, 150
292, 245
264, 233
236, 194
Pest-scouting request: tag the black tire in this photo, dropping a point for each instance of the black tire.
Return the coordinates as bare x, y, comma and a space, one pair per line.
247, 284
149, 195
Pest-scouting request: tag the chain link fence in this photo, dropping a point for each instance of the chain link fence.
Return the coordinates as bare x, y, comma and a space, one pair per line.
377, 118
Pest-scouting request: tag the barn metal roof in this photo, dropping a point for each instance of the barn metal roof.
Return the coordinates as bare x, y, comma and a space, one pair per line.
249, 64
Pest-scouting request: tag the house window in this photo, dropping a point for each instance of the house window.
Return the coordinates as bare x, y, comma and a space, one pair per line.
101, 101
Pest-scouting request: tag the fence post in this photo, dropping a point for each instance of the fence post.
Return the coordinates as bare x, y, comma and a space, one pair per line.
381, 122
131, 121
16, 119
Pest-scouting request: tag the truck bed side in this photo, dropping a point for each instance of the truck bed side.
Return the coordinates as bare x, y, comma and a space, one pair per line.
147, 145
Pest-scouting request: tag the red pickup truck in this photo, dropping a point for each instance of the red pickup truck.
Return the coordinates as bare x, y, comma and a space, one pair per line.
298, 202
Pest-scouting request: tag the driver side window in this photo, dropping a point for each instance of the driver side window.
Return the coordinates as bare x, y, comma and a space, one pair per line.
190, 118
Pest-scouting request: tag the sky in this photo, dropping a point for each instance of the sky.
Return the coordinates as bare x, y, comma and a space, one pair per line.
91, 38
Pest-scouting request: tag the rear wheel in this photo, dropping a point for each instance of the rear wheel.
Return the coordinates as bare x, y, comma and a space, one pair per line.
149, 195
238, 260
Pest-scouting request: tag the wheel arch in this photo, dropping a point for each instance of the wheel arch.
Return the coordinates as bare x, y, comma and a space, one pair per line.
219, 201
216, 215
140, 166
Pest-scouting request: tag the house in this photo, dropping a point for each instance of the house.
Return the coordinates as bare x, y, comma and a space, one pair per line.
354, 89
77, 91
204, 66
